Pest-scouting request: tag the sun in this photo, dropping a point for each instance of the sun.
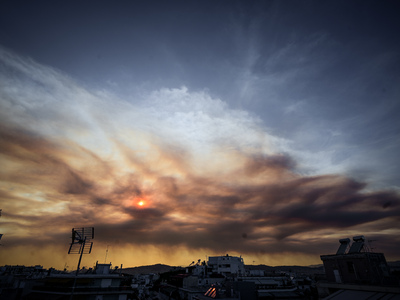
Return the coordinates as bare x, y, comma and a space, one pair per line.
141, 202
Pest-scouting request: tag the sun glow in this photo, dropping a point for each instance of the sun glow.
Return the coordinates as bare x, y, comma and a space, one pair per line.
141, 202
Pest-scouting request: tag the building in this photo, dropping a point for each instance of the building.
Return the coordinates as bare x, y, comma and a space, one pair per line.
226, 265
357, 271
356, 264
100, 283
16, 280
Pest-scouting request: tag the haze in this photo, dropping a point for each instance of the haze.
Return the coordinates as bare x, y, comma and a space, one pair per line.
181, 130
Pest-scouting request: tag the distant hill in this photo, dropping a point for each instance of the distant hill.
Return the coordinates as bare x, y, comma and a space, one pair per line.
316, 269
158, 268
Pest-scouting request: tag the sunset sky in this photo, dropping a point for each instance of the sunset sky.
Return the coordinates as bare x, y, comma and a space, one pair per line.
186, 129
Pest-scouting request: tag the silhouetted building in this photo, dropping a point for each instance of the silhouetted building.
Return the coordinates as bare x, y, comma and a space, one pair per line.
34, 283
356, 264
226, 265
358, 273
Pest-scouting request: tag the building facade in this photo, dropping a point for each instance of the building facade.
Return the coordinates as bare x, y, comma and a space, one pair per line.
356, 264
226, 265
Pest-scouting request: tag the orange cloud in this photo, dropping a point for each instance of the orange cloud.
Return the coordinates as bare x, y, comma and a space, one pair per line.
147, 185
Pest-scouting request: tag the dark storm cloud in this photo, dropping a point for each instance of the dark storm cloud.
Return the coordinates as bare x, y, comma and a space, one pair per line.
74, 184
149, 214
196, 212
259, 164
40, 158
280, 211
268, 208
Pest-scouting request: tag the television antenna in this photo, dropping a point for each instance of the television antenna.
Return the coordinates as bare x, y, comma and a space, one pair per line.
105, 259
80, 244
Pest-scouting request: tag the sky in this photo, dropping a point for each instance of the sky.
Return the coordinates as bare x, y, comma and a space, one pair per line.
186, 129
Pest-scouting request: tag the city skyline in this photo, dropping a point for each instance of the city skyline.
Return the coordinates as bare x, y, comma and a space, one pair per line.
180, 130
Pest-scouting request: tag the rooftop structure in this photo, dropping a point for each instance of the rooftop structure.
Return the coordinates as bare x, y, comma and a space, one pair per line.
356, 264
355, 270
226, 265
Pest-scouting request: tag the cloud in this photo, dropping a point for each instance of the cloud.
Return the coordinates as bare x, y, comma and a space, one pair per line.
210, 177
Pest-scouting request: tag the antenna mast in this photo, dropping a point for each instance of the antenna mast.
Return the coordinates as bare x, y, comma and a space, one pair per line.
80, 244
105, 259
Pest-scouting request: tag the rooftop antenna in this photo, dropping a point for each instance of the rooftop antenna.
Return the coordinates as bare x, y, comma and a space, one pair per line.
105, 259
80, 244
